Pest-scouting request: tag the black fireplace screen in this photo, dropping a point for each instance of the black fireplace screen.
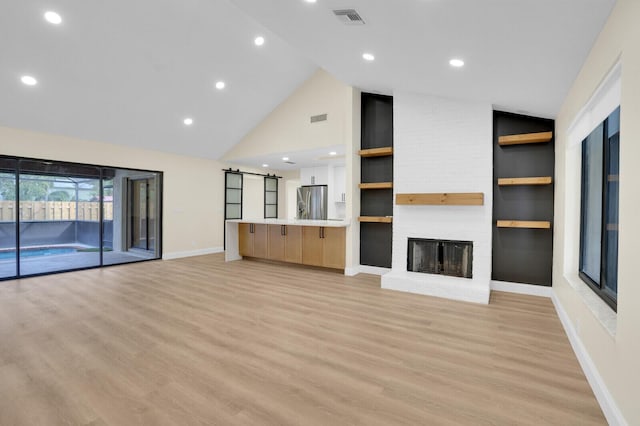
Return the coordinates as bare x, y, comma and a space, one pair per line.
444, 257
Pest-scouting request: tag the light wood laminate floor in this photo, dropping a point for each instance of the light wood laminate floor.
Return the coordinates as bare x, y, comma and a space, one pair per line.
201, 341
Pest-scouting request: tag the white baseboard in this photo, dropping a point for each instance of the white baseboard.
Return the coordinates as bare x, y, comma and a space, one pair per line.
189, 253
373, 270
609, 407
350, 272
530, 289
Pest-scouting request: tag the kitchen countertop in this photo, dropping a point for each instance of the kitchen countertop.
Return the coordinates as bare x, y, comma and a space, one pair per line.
294, 222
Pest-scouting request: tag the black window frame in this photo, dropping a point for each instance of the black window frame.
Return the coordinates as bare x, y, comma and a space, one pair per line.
227, 187
265, 197
226, 203
605, 222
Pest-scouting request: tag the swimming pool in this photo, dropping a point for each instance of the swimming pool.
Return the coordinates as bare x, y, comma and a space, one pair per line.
33, 252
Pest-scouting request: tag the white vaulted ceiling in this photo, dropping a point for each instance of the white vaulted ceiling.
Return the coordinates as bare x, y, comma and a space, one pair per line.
129, 72
519, 54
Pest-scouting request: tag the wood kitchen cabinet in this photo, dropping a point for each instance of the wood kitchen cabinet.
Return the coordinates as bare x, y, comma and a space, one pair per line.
252, 239
245, 239
308, 245
277, 242
285, 243
312, 245
260, 240
323, 246
293, 246
334, 247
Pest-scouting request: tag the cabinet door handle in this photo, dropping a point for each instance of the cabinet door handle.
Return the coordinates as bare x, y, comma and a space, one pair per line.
251, 229
320, 232
283, 230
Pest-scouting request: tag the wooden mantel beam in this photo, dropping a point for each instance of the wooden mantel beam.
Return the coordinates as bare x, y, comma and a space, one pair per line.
442, 199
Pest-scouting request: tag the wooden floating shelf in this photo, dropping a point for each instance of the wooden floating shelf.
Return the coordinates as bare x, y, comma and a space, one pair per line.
376, 185
531, 224
525, 138
376, 152
375, 219
442, 199
543, 180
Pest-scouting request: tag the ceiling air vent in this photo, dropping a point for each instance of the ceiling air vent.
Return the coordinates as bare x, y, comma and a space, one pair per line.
316, 118
349, 16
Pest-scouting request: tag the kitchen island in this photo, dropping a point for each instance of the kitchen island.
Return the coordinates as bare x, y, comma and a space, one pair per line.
306, 242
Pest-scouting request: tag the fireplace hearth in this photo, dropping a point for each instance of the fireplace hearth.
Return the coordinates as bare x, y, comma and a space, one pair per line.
442, 257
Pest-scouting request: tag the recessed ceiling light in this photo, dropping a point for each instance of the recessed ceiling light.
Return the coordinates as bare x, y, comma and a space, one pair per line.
456, 63
265, 165
188, 121
333, 153
28, 80
258, 41
368, 56
310, 1
285, 158
53, 17
220, 85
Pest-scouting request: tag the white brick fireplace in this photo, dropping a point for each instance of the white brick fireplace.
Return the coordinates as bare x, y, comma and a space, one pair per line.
442, 146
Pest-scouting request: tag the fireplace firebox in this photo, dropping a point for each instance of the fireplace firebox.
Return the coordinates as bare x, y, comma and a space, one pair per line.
443, 257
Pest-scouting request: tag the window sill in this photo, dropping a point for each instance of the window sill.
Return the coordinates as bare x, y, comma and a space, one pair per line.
603, 312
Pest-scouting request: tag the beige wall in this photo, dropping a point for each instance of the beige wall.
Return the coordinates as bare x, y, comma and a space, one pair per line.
616, 357
288, 127
193, 187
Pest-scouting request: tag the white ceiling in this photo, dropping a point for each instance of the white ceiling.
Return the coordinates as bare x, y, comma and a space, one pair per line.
300, 159
521, 55
128, 72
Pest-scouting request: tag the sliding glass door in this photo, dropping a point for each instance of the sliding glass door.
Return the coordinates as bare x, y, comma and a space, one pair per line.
131, 216
8, 207
57, 216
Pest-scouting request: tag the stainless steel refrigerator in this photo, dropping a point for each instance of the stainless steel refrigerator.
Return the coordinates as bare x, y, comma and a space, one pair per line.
312, 202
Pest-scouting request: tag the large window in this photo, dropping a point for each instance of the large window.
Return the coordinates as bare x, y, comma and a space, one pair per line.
58, 216
599, 209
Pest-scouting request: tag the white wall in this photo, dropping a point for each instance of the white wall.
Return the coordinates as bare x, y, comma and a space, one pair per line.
253, 196
442, 145
288, 128
291, 190
614, 357
353, 104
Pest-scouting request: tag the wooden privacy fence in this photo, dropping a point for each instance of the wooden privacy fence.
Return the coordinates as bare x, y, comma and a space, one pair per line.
55, 210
